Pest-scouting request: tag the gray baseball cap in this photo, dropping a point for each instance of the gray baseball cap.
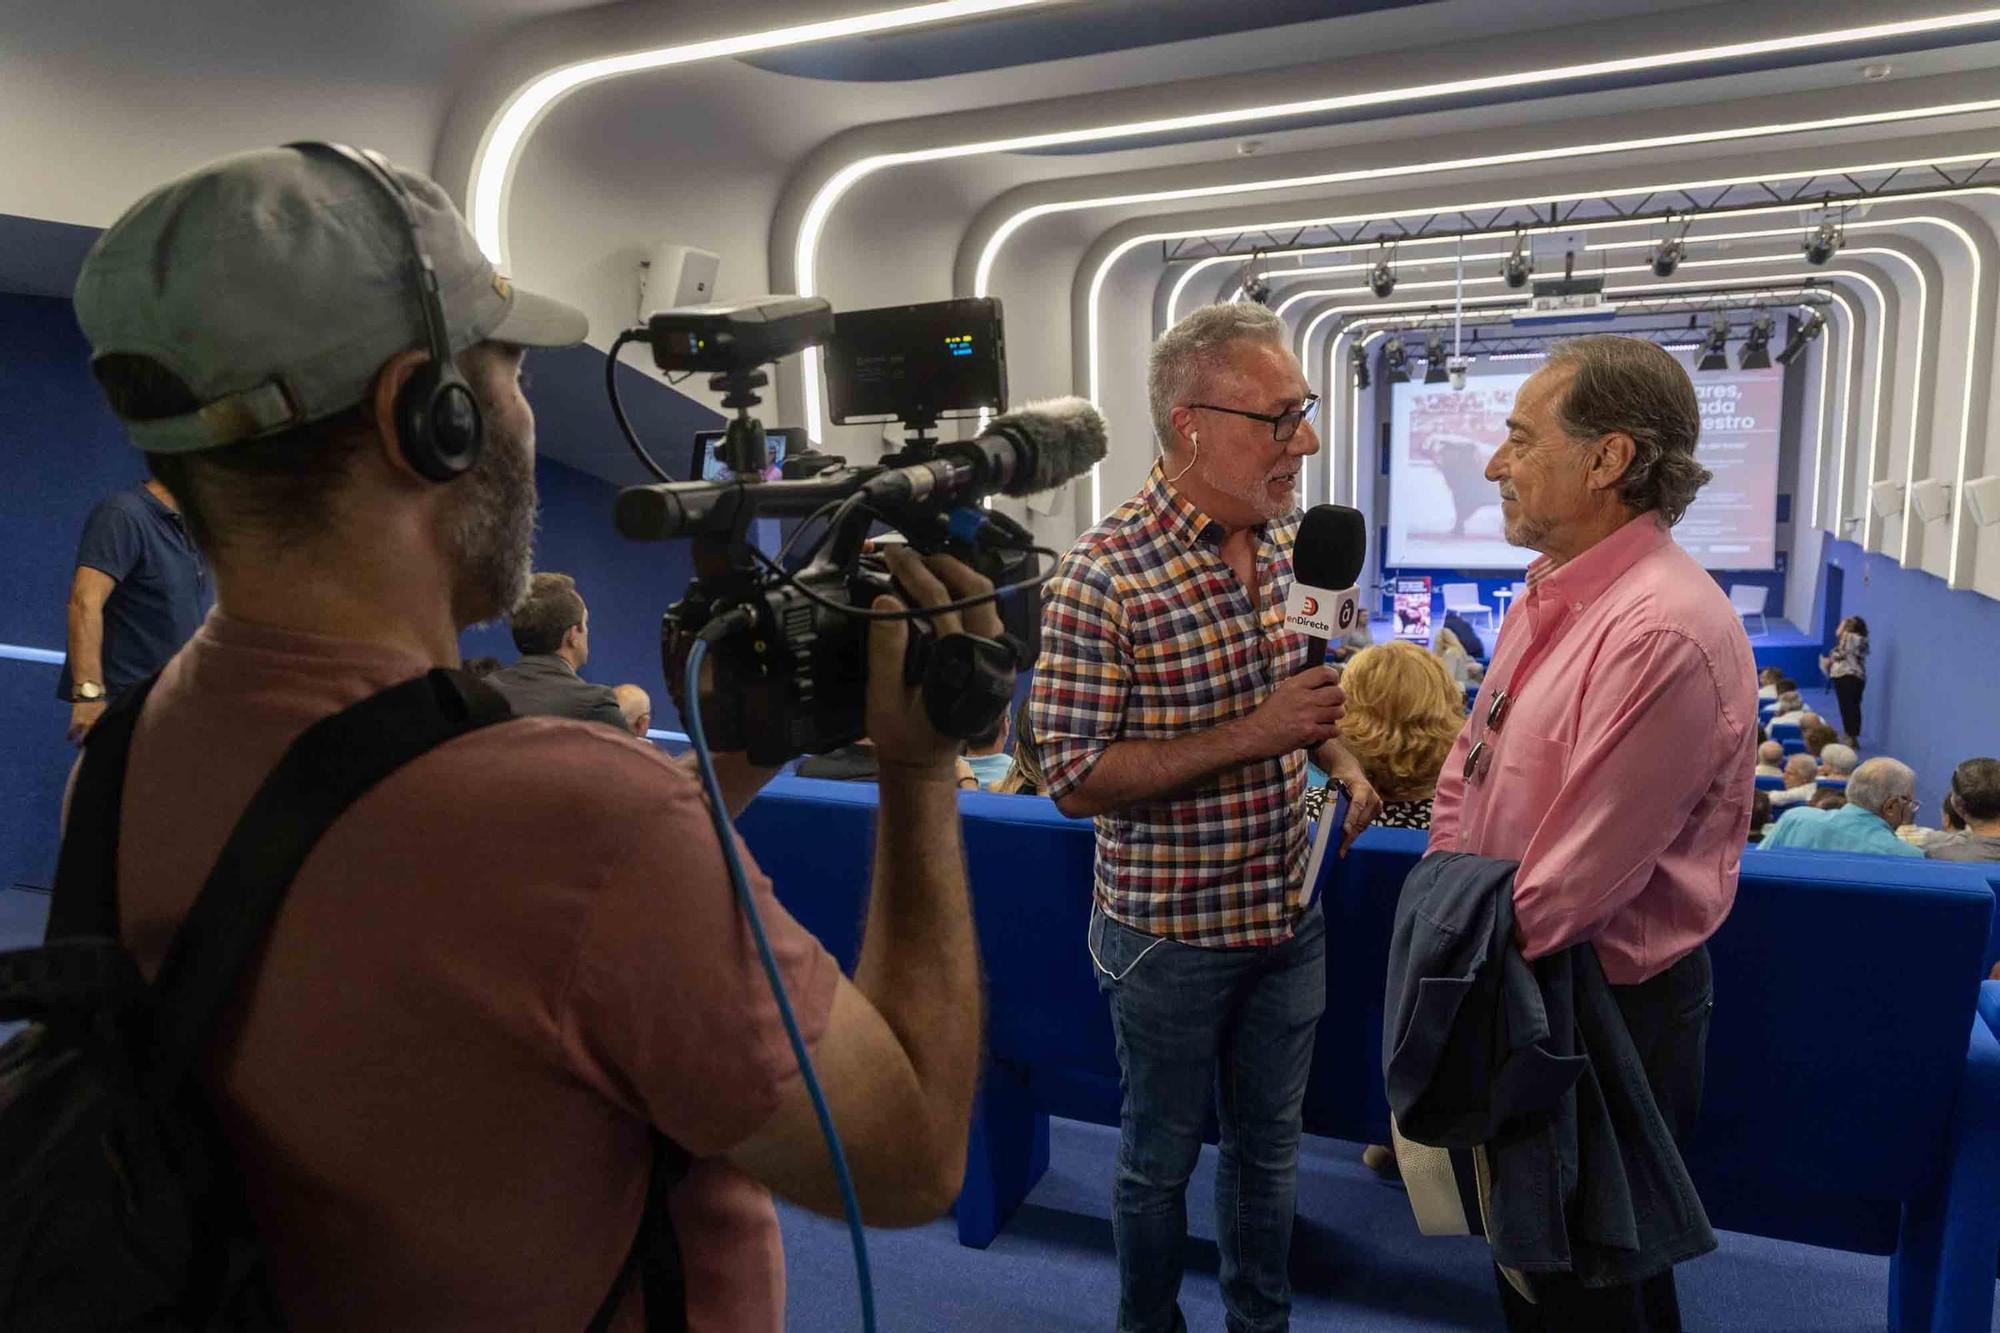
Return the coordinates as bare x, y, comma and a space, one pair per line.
276, 283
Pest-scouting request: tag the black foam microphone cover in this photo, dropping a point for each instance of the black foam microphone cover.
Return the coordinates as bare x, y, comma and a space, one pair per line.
1332, 547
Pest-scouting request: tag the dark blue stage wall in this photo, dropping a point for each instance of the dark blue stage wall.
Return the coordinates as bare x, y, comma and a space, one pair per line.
1930, 700
60, 450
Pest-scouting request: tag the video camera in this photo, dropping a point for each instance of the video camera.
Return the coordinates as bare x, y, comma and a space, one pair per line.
789, 648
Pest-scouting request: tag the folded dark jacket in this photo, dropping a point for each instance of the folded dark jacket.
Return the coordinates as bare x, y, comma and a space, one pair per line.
1532, 1064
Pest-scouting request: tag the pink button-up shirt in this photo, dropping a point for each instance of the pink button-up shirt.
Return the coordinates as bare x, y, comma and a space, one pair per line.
1620, 772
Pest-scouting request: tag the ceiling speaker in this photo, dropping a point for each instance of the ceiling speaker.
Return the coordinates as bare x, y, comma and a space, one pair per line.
1930, 499
1982, 501
1887, 498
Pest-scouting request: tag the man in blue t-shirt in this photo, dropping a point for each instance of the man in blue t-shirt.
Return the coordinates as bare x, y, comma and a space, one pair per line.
139, 593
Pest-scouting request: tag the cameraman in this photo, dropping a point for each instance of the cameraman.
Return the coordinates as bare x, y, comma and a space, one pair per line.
519, 952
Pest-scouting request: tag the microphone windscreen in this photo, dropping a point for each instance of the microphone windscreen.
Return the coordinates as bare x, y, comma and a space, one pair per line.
1062, 437
1332, 547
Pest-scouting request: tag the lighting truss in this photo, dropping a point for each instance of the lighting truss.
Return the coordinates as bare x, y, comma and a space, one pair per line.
1835, 188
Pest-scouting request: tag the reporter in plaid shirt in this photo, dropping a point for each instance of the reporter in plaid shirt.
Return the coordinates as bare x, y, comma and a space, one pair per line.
1170, 703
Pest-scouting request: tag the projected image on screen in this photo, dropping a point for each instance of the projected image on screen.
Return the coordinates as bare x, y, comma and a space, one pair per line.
1444, 512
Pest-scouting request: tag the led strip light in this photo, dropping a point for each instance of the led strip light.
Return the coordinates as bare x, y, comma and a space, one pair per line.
1955, 560
1119, 251
812, 224
507, 133
1972, 348
1881, 345
1820, 423
1852, 343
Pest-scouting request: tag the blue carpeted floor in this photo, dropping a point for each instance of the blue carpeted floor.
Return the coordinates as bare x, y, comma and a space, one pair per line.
1358, 1264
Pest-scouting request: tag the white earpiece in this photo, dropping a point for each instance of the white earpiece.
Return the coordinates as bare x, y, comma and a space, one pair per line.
1194, 438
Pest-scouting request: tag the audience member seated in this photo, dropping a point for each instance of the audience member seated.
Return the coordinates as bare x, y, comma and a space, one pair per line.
637, 706
1464, 671
1350, 643
1974, 803
1767, 684
1403, 713
1468, 637
1818, 735
1791, 708
1760, 815
551, 629
1827, 798
986, 755
1024, 777
1801, 781
1770, 760
857, 763
482, 666
1836, 764
1881, 797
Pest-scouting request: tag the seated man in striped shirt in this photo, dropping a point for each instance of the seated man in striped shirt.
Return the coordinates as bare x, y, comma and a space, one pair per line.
1171, 703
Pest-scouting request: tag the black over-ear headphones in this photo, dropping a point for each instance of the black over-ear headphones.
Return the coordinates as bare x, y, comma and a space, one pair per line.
437, 419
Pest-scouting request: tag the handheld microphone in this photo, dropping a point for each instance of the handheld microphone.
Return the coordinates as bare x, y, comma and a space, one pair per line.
1327, 559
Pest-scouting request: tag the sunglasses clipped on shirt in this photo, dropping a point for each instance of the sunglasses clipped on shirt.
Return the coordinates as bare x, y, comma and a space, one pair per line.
1480, 756
1283, 424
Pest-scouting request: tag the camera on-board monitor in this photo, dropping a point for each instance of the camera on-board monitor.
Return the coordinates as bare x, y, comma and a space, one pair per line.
789, 634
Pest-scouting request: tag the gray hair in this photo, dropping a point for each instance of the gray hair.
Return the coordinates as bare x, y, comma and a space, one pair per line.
1838, 760
1788, 702
1880, 781
1634, 387
1188, 354
1799, 764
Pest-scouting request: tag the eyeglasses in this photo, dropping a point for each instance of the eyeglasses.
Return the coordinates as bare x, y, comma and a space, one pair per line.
1283, 425
1480, 756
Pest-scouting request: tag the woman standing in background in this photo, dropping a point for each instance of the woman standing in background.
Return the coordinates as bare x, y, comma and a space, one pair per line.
1847, 667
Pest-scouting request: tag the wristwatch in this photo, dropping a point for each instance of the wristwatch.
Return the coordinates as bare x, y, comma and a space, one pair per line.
86, 692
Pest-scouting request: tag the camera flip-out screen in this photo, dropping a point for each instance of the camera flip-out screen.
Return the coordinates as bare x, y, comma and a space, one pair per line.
917, 363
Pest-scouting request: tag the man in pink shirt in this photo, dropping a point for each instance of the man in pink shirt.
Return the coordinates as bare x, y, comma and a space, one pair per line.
518, 957
1622, 650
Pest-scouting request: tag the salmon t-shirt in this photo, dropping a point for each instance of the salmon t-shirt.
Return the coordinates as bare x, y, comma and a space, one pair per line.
492, 974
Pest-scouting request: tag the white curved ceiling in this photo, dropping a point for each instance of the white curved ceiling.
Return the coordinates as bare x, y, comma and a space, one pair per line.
102, 100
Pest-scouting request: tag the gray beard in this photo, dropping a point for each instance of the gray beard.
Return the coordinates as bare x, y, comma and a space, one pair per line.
492, 534
1256, 496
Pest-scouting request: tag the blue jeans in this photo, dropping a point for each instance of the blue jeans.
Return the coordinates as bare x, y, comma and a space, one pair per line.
1229, 1028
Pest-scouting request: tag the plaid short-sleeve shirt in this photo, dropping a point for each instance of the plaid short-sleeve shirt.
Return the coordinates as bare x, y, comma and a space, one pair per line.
1147, 634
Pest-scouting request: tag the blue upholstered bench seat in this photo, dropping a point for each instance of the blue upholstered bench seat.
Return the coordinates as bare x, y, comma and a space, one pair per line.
1845, 1106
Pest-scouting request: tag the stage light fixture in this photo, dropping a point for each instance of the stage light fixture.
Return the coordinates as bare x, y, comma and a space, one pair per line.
1382, 277
1755, 353
1802, 334
1357, 357
1256, 290
1396, 361
1715, 350
1434, 368
1517, 267
1824, 241
1667, 256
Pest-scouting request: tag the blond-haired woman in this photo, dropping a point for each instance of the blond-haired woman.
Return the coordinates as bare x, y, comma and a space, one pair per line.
1403, 713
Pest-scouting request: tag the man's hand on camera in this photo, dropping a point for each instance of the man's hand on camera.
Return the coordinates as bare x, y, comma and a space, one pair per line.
1303, 712
897, 723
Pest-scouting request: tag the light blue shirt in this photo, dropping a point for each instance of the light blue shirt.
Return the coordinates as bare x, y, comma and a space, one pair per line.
989, 768
1848, 829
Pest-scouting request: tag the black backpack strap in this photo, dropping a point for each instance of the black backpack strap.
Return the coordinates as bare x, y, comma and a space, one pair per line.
655, 1257
330, 766
85, 901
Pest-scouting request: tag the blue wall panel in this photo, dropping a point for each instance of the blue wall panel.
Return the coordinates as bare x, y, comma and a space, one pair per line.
1930, 700
61, 450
